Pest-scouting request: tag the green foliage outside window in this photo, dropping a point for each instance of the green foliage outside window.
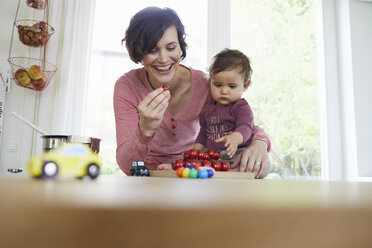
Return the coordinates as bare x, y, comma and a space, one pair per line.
279, 36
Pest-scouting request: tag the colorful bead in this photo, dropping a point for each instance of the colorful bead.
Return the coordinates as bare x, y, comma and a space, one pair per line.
188, 165
179, 171
186, 172
203, 174
193, 173
210, 172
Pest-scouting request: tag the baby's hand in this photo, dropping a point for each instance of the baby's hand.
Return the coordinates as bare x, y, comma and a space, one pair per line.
231, 142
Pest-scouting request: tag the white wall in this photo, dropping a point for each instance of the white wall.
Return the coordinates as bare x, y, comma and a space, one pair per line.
361, 52
17, 138
6, 18
346, 92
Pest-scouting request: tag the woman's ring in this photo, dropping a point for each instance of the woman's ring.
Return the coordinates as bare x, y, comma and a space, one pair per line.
258, 163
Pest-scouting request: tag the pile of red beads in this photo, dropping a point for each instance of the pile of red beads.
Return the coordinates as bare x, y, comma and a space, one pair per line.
199, 159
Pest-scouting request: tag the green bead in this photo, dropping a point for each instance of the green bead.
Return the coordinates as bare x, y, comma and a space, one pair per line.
193, 173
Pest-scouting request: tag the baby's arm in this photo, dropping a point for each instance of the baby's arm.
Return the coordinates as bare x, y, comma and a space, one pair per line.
243, 130
232, 141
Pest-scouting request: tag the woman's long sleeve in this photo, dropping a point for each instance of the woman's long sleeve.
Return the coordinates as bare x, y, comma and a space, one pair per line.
259, 134
131, 145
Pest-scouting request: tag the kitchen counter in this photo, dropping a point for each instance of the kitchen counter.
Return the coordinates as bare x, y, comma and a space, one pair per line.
115, 211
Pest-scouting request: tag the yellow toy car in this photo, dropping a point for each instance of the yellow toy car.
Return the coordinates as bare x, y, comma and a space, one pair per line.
77, 160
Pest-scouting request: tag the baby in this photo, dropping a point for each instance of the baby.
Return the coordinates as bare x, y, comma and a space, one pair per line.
226, 121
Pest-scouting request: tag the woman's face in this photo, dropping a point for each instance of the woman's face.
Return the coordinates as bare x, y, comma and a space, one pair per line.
162, 62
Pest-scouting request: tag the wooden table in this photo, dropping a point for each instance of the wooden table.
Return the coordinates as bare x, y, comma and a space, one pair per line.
175, 212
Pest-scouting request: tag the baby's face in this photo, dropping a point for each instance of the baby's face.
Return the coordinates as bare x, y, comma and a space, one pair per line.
227, 86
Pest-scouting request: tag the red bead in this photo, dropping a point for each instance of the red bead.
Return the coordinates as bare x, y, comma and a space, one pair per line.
174, 127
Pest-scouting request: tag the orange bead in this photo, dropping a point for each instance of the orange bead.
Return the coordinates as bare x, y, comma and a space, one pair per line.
179, 171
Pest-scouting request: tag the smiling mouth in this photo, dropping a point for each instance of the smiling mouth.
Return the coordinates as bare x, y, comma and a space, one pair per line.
163, 68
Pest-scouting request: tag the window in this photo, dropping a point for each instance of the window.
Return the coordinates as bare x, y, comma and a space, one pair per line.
278, 36
280, 39
109, 60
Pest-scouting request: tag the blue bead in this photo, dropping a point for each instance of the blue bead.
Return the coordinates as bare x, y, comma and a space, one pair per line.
203, 174
188, 165
210, 173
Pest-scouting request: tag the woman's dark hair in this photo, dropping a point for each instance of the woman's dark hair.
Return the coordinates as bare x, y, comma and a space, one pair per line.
229, 59
146, 29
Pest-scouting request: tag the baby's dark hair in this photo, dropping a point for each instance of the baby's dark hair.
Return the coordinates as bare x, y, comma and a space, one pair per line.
146, 29
230, 59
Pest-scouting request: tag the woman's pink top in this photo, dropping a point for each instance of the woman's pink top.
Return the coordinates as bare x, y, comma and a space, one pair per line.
176, 133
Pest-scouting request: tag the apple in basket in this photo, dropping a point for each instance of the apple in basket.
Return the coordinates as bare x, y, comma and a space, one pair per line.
38, 84
22, 77
35, 72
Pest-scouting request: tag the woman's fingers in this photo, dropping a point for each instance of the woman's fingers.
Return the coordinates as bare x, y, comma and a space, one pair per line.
154, 103
244, 162
236, 162
161, 104
256, 166
262, 168
253, 159
164, 167
151, 111
160, 100
254, 163
151, 96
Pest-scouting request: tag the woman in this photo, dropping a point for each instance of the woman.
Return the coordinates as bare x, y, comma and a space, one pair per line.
156, 125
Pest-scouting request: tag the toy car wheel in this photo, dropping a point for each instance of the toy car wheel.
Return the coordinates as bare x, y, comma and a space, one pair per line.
49, 170
93, 171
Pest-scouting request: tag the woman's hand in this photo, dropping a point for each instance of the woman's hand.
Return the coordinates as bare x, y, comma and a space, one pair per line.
253, 159
151, 111
164, 167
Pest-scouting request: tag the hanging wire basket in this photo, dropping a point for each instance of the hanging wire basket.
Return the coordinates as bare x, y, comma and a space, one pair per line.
34, 33
38, 78
36, 4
